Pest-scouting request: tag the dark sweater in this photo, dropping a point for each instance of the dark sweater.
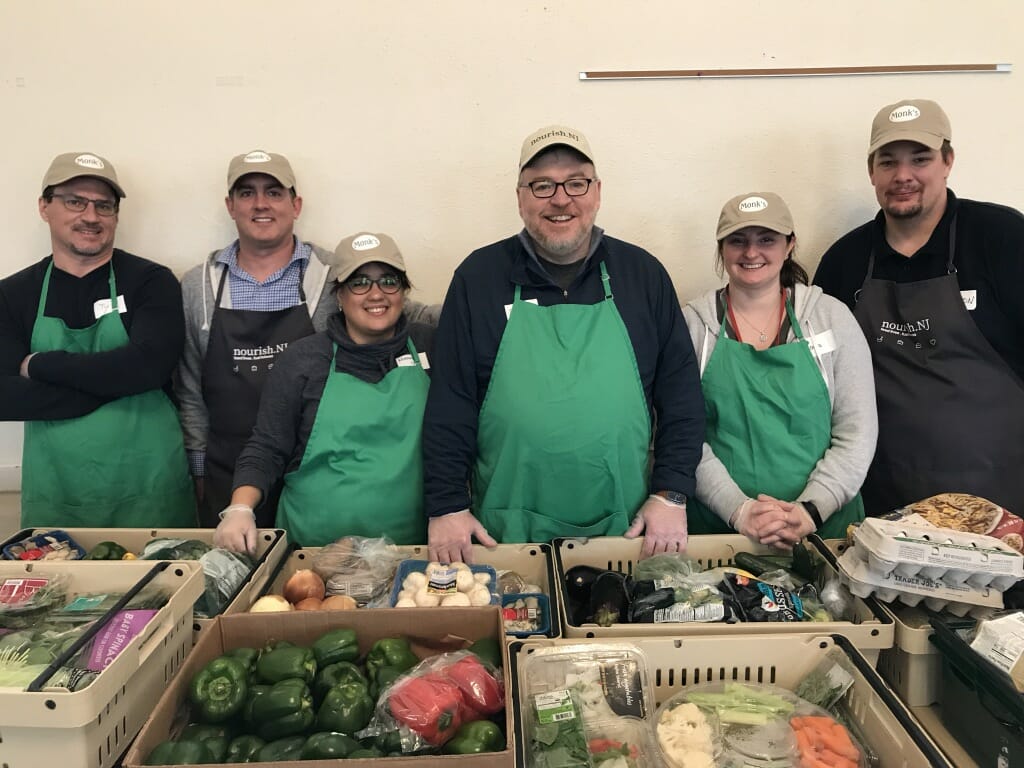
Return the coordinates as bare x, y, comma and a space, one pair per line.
66, 385
291, 396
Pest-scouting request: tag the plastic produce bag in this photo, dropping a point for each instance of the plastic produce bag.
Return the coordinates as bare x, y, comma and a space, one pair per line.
224, 571
360, 567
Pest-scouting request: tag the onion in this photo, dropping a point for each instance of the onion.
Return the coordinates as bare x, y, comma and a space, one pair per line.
270, 604
309, 604
338, 603
303, 584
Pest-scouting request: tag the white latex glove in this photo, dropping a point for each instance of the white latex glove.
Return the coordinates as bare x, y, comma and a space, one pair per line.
663, 525
237, 529
758, 519
798, 524
450, 537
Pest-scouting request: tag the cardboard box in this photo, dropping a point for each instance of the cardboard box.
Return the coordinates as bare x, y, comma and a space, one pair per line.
430, 631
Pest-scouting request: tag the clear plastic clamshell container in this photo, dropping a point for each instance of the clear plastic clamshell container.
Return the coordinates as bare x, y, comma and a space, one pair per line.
588, 705
750, 725
862, 580
939, 554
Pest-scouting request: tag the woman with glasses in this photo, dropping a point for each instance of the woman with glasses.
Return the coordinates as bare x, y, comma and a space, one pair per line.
788, 389
341, 415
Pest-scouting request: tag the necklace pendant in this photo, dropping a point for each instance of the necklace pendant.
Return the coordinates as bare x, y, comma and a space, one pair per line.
763, 338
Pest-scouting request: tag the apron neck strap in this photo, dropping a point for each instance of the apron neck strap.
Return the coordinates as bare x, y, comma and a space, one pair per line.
792, 316
518, 295
606, 281
950, 255
45, 292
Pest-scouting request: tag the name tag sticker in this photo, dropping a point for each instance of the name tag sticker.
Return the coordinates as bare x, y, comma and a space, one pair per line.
404, 361
102, 307
508, 307
970, 299
424, 363
823, 342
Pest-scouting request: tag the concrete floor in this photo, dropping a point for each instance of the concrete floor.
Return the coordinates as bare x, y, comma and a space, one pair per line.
10, 514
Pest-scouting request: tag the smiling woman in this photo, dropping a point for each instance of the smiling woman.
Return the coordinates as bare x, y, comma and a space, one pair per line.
341, 416
786, 375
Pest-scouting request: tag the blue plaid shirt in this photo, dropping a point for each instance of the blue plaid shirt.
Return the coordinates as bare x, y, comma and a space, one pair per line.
279, 291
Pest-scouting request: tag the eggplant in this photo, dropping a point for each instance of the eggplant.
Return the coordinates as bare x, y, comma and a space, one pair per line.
578, 581
609, 603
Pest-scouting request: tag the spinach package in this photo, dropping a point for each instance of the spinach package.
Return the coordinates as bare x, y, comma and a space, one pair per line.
558, 739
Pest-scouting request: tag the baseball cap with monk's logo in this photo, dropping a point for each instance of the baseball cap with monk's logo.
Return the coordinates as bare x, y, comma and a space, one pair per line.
72, 165
259, 161
917, 120
362, 248
755, 209
552, 135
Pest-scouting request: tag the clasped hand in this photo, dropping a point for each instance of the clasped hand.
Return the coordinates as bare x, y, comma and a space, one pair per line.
772, 521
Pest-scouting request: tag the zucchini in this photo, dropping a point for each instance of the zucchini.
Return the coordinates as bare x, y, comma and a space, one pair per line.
757, 564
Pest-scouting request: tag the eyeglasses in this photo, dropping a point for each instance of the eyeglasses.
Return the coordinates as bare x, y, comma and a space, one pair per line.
387, 284
79, 204
543, 188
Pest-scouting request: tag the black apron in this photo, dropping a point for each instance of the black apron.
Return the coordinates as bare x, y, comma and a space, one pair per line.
243, 346
950, 410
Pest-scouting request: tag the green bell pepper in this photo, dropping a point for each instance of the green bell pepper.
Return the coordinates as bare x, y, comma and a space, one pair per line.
346, 709
473, 738
219, 690
336, 645
243, 749
390, 652
107, 550
180, 753
282, 750
285, 710
337, 674
385, 677
215, 737
255, 691
364, 753
329, 746
284, 663
488, 649
247, 656
389, 742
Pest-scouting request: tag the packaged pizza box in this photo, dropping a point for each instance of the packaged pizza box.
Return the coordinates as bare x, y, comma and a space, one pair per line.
964, 512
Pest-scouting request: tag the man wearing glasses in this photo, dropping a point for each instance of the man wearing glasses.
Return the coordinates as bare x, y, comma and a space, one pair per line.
243, 306
89, 338
557, 350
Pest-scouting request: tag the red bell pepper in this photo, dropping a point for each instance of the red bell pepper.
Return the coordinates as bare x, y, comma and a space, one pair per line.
429, 705
481, 691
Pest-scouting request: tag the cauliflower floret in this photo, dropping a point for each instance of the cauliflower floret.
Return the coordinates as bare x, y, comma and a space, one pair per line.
686, 738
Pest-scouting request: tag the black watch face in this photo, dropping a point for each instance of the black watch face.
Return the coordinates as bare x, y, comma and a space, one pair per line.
676, 498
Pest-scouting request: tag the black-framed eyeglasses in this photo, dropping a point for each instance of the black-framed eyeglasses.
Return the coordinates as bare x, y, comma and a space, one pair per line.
79, 204
543, 188
387, 284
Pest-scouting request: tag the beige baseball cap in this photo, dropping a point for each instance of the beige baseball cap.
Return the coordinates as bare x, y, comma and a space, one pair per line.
72, 165
549, 136
362, 248
917, 120
755, 209
259, 161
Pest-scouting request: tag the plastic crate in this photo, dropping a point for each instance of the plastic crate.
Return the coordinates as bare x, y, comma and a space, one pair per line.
675, 663
271, 548
92, 727
912, 666
871, 631
534, 562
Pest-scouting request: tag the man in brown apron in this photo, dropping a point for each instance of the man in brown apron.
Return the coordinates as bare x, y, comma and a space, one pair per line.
243, 306
934, 282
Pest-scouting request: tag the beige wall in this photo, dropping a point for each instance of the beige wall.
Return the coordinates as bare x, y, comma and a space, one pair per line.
407, 117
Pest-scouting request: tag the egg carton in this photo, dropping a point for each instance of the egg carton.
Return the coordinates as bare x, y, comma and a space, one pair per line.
939, 554
960, 600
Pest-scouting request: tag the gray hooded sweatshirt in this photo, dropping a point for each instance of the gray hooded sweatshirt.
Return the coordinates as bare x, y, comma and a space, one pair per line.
844, 361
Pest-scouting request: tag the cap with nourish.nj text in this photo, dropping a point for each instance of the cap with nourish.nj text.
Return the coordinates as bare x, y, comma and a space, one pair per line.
552, 135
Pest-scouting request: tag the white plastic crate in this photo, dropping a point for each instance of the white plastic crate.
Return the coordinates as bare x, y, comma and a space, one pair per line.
531, 561
784, 660
92, 727
271, 548
871, 631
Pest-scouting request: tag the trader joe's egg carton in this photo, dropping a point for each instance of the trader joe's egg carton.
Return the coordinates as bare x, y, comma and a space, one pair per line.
939, 554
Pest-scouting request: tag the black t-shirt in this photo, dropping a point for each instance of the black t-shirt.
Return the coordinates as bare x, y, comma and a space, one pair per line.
63, 384
988, 258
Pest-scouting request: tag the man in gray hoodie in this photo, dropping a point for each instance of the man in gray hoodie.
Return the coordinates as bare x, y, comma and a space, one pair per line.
244, 304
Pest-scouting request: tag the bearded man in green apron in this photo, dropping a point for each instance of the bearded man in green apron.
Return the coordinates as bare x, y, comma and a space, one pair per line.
787, 388
556, 351
90, 337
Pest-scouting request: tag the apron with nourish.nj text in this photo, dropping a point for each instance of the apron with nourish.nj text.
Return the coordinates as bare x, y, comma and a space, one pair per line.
241, 352
121, 466
950, 410
769, 421
361, 473
564, 428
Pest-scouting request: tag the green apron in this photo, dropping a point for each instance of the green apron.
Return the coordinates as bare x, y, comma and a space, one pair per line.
769, 421
564, 428
361, 473
121, 466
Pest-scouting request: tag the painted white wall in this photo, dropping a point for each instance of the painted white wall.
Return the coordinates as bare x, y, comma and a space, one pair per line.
407, 117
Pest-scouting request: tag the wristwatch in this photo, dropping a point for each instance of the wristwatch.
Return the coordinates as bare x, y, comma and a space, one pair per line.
673, 497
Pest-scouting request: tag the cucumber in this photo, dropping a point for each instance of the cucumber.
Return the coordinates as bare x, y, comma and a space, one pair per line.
756, 564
